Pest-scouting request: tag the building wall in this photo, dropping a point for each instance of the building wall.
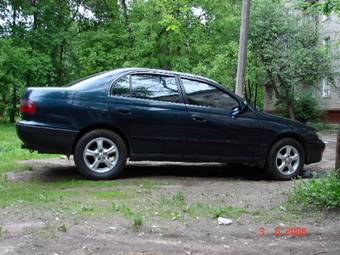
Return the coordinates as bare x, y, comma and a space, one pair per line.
328, 93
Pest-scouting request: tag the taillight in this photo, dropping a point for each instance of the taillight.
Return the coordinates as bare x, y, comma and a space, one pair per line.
27, 106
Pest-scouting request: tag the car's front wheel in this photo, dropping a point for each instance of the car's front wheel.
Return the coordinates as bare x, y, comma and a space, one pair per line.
100, 154
285, 160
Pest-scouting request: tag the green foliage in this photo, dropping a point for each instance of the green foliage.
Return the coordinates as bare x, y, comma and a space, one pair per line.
324, 126
137, 222
10, 149
287, 51
87, 208
49, 43
62, 228
326, 7
323, 193
179, 198
305, 106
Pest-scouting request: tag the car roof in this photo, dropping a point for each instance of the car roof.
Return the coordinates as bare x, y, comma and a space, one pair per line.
165, 72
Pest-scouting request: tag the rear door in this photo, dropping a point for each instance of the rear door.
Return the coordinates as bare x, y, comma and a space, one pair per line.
213, 134
152, 112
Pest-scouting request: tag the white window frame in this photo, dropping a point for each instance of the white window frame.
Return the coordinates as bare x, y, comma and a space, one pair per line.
326, 41
324, 17
326, 88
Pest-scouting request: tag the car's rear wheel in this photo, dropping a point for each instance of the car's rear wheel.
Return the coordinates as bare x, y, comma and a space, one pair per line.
285, 160
100, 154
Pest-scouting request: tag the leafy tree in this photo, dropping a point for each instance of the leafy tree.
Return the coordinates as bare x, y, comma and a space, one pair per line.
326, 7
288, 51
49, 43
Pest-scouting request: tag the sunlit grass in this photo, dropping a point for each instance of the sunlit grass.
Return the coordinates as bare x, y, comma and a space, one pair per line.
11, 152
322, 193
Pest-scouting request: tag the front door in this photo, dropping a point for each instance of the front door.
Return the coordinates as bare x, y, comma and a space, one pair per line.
213, 134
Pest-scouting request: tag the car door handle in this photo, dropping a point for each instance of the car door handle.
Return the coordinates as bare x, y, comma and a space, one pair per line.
198, 118
125, 111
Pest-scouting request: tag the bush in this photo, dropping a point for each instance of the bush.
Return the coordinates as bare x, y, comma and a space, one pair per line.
307, 108
2, 109
323, 193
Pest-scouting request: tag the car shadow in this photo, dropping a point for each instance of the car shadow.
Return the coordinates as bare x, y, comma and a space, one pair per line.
160, 170
194, 170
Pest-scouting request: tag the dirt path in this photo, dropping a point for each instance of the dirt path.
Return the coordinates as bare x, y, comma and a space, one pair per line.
31, 229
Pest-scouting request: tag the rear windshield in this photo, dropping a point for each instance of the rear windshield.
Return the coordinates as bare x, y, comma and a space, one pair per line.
93, 81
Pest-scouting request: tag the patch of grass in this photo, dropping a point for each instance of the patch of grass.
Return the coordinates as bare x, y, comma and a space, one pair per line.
324, 126
69, 196
110, 194
276, 216
127, 212
137, 222
10, 149
123, 209
87, 208
62, 228
176, 200
30, 192
322, 193
208, 210
179, 198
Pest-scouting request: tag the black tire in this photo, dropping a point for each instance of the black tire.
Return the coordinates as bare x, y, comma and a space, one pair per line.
108, 136
271, 164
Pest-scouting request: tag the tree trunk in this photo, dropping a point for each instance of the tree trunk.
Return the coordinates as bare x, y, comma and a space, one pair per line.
126, 21
242, 55
13, 110
337, 158
291, 111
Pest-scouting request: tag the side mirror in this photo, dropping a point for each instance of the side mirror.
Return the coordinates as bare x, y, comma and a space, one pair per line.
237, 110
245, 106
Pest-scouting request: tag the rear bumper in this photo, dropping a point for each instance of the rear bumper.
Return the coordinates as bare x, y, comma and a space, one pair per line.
314, 151
46, 139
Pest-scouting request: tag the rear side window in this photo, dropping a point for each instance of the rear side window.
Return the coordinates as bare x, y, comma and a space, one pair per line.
148, 86
122, 87
203, 94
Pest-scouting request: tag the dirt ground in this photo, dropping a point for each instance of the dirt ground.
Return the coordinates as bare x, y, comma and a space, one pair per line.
36, 230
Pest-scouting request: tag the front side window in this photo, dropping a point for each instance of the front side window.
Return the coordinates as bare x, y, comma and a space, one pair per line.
199, 93
156, 87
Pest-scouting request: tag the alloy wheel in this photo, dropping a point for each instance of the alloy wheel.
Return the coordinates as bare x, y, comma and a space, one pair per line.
287, 160
101, 155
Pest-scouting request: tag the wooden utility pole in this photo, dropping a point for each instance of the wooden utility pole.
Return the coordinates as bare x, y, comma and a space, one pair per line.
242, 55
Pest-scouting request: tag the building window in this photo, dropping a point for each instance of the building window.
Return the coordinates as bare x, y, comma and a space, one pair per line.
324, 18
326, 88
327, 42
